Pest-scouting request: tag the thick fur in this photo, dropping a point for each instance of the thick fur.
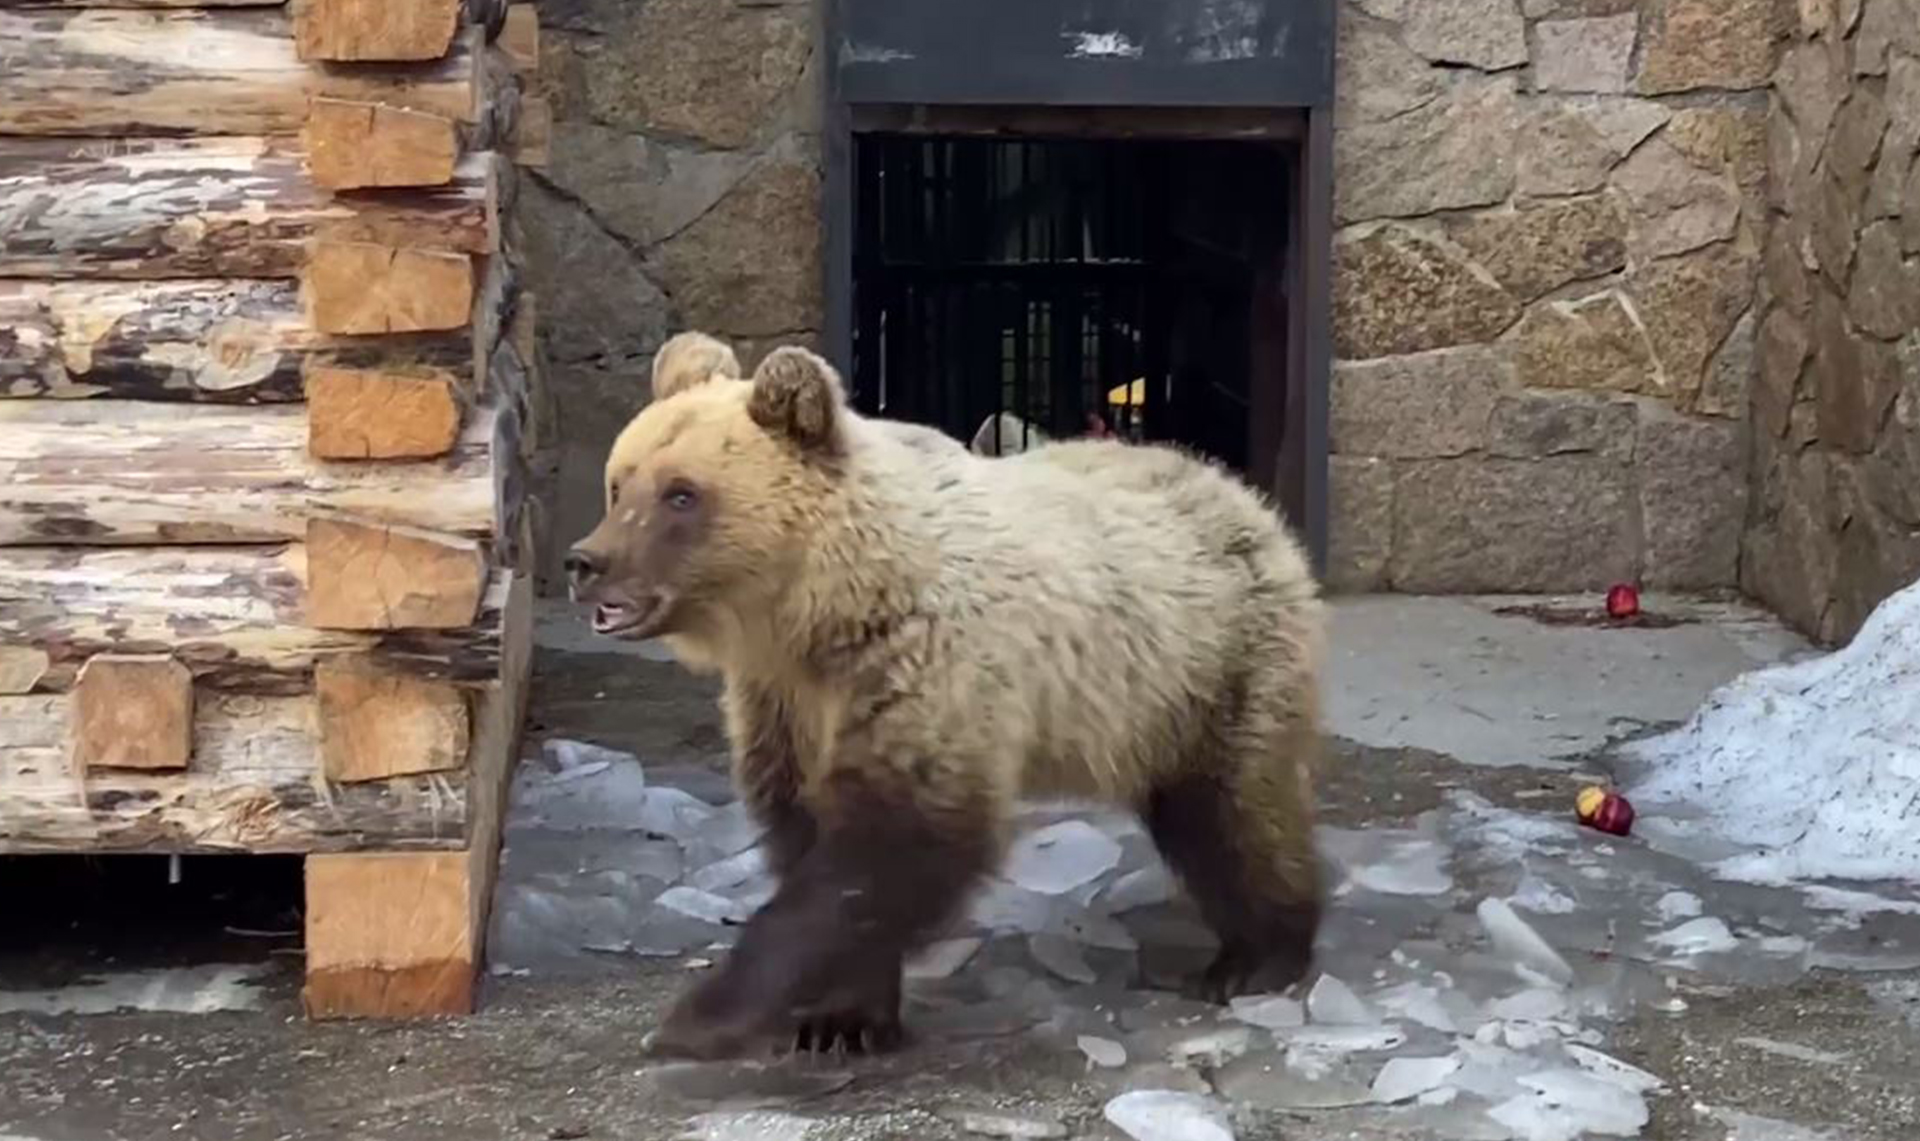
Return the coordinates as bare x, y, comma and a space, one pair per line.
913, 638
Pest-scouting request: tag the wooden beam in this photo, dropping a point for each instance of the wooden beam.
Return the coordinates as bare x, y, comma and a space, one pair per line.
377, 414
254, 786
235, 616
224, 342
376, 724
225, 207
353, 145
375, 30
520, 38
132, 711
500, 712
363, 576
389, 935
21, 668
232, 71
116, 473
359, 288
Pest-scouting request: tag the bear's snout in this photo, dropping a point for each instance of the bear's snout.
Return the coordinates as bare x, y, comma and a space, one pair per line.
584, 568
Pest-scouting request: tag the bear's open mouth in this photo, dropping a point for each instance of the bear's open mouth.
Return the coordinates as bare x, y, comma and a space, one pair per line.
623, 617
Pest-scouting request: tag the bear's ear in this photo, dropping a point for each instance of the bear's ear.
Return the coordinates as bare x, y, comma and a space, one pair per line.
690, 359
797, 394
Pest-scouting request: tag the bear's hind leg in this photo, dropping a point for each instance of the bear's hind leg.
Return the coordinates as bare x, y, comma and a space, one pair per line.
1239, 834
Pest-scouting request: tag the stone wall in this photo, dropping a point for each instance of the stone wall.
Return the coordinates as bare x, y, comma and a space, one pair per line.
1551, 216
683, 191
1835, 520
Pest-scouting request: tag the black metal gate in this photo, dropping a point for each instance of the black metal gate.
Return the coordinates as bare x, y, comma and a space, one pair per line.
998, 276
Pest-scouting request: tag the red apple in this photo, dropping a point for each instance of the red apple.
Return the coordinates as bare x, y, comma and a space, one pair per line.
1623, 601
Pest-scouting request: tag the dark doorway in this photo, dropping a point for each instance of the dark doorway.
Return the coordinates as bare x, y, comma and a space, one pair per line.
1129, 283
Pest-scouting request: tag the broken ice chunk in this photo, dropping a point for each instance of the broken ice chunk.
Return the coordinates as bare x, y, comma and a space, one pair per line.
992, 1123
1416, 867
1003, 906
940, 960
1535, 1003
1268, 1011
1060, 857
1333, 1001
1404, 1078
1062, 956
1142, 887
1417, 1002
1266, 1082
1215, 1048
1102, 1051
1677, 905
1166, 1115
1698, 937
1564, 1104
1540, 897
730, 872
674, 814
577, 786
703, 905
1513, 937
1609, 1068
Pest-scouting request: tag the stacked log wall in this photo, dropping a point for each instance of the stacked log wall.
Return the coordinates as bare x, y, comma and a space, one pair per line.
266, 382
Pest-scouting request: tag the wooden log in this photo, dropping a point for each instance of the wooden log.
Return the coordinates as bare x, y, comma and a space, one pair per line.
375, 724
224, 342
395, 935
520, 38
235, 616
500, 711
389, 935
381, 414
132, 711
361, 30
254, 786
227, 207
360, 288
232, 71
353, 145
21, 668
116, 473
363, 576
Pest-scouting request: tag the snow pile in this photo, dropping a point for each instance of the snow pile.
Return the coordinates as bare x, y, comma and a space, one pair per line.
1816, 764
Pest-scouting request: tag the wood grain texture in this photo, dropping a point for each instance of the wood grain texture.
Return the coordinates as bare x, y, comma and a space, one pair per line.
227, 207
381, 414
353, 145
226, 342
362, 288
388, 935
375, 30
229, 71
499, 718
254, 786
375, 724
235, 616
520, 38
132, 711
121, 473
363, 576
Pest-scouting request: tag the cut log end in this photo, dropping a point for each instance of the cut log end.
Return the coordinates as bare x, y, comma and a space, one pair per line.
133, 711
368, 577
375, 724
359, 288
375, 30
520, 38
373, 414
355, 145
389, 935
533, 136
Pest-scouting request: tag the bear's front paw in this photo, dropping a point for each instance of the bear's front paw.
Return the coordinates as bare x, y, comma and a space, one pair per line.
848, 1032
704, 1026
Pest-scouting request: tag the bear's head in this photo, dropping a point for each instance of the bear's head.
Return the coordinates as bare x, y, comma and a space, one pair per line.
713, 490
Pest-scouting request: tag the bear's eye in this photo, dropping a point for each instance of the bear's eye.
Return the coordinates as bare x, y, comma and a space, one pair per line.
679, 496
613, 495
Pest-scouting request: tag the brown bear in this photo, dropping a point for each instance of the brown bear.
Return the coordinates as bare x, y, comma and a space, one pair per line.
913, 639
